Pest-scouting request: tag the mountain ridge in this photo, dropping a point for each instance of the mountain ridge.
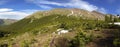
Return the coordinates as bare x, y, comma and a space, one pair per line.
70, 11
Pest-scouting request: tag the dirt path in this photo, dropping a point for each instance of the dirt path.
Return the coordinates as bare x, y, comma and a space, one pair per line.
52, 41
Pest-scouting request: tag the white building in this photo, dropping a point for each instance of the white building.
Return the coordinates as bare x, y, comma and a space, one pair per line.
115, 23
60, 31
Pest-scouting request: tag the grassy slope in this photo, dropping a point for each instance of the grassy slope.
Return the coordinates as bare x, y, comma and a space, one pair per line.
24, 25
45, 26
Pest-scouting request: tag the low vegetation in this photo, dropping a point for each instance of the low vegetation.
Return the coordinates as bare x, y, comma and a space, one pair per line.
40, 32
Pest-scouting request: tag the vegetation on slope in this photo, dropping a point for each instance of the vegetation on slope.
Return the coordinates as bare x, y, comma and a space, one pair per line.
39, 32
65, 22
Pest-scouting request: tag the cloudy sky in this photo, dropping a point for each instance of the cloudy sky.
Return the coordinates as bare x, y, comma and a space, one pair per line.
18, 9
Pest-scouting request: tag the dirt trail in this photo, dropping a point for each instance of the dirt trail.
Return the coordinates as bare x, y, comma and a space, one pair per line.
52, 41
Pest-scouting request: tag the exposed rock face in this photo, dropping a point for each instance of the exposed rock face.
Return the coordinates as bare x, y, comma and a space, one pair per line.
7, 21
1, 22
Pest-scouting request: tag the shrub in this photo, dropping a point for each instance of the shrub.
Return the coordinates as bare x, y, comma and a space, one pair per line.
81, 40
25, 44
61, 42
116, 42
3, 45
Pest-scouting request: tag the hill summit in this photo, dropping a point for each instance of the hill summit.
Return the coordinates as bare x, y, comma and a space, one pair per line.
70, 12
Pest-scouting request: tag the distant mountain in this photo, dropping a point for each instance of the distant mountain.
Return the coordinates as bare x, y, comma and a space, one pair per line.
7, 21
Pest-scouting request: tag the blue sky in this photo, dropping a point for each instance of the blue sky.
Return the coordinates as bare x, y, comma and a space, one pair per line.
18, 9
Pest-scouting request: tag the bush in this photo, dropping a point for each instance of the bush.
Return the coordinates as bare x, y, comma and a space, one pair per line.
81, 40
4, 34
3, 45
25, 44
61, 42
116, 42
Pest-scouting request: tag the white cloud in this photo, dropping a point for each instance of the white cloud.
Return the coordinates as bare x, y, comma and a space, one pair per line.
13, 15
40, 4
72, 3
6, 13
29, 11
5, 9
45, 7
3, 2
102, 10
81, 4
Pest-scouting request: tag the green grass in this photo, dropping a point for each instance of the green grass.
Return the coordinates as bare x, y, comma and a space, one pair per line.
70, 22
49, 24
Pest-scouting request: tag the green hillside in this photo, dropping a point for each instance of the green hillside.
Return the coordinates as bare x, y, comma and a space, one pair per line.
40, 30
57, 20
